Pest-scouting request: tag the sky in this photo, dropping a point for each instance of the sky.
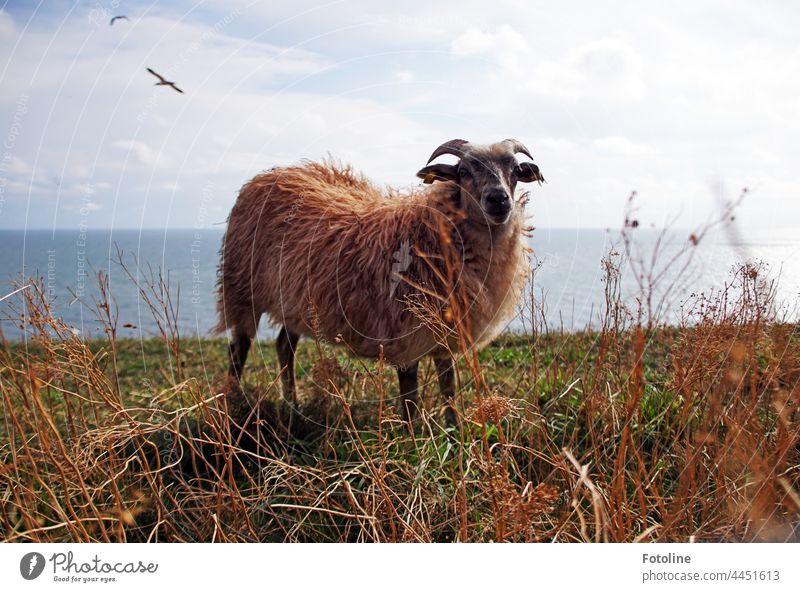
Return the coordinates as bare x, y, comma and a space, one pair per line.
685, 103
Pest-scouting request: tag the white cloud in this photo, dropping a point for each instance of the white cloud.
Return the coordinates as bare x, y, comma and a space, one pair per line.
404, 76
621, 145
84, 188
18, 166
143, 153
83, 206
7, 28
506, 46
95, 117
595, 91
608, 68
554, 144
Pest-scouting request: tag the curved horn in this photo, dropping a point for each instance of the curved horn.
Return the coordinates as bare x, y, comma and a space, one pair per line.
454, 147
517, 146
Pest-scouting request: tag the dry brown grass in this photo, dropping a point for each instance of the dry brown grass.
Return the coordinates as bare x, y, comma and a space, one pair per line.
633, 432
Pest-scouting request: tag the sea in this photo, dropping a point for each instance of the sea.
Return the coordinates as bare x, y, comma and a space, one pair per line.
663, 273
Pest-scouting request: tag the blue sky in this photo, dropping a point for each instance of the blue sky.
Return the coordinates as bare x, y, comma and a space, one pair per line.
683, 103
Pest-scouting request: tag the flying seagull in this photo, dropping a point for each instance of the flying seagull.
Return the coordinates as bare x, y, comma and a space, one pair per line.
163, 81
116, 18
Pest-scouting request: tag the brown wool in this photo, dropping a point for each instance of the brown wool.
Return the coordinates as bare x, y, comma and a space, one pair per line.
324, 252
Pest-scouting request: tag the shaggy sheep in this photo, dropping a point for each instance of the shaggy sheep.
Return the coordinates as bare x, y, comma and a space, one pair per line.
326, 254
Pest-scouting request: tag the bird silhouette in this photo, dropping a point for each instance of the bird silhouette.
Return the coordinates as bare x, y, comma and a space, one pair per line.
116, 18
163, 81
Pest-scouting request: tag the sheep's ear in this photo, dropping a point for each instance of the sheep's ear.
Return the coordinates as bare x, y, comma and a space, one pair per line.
527, 172
438, 172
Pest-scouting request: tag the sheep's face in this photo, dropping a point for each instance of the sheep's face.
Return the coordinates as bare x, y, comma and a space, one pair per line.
486, 175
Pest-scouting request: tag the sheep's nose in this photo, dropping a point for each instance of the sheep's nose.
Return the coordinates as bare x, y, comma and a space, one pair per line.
496, 197
497, 204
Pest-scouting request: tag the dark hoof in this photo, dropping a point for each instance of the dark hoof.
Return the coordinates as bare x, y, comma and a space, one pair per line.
409, 410
451, 417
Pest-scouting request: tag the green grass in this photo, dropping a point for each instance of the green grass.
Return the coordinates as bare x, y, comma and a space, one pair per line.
592, 436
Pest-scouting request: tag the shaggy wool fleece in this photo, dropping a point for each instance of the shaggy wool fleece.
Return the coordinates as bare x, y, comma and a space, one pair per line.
325, 253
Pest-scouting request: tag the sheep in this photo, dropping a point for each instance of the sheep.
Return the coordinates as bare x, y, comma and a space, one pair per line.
326, 254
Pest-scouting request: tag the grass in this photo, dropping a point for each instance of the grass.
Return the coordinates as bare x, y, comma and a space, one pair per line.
558, 451
632, 432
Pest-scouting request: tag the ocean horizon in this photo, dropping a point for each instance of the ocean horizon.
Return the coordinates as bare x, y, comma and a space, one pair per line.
568, 287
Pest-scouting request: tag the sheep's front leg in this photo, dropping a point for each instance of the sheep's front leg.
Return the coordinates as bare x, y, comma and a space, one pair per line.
237, 353
409, 387
286, 344
446, 372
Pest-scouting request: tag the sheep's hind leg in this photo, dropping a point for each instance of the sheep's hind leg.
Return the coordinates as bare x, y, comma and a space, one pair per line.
446, 372
238, 350
409, 387
286, 344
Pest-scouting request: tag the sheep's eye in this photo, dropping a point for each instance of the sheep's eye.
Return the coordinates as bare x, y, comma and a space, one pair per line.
464, 173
